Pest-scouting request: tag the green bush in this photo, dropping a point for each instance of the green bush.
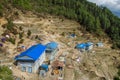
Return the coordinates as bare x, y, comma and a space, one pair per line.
23, 4
63, 33
21, 28
5, 73
21, 35
29, 33
1, 10
10, 25
116, 78
12, 40
36, 37
118, 74
21, 41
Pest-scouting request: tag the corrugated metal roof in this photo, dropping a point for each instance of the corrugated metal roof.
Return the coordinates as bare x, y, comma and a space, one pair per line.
83, 45
80, 46
33, 52
52, 45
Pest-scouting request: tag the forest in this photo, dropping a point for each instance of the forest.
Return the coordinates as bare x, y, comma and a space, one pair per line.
97, 20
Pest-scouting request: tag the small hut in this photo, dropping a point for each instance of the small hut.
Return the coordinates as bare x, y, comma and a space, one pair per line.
84, 46
99, 44
81, 47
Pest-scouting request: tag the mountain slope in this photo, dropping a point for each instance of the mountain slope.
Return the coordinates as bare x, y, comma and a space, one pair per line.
99, 64
97, 20
93, 65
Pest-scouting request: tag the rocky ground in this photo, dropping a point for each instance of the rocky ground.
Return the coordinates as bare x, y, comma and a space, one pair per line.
98, 64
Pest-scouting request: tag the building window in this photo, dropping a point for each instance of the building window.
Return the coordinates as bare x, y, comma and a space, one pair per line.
30, 69
23, 68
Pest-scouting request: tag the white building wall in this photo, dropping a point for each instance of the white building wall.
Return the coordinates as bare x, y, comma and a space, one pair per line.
90, 47
39, 62
26, 65
35, 65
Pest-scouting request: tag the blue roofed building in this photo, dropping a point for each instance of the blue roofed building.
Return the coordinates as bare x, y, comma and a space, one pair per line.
51, 50
99, 44
81, 47
31, 59
89, 45
84, 46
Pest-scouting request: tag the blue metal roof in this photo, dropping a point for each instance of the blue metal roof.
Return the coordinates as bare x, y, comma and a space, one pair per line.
81, 46
44, 66
33, 52
52, 45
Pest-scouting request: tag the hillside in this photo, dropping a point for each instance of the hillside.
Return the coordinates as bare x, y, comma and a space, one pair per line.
27, 22
98, 64
97, 20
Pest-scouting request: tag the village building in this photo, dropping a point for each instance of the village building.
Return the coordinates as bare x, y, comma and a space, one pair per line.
31, 59
99, 44
51, 50
81, 47
84, 46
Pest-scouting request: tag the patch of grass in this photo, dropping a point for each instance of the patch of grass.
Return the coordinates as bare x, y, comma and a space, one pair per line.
5, 73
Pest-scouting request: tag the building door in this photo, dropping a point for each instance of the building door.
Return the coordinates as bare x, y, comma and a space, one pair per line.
30, 69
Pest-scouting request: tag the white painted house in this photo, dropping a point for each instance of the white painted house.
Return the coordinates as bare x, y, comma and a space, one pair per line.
31, 59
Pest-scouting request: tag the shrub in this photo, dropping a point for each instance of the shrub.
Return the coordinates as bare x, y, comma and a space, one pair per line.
14, 31
1, 10
5, 73
21, 28
29, 33
16, 13
36, 37
12, 40
116, 78
21, 35
63, 34
10, 25
21, 41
